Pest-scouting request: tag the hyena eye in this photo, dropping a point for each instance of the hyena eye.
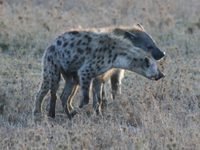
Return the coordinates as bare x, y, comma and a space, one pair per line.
147, 62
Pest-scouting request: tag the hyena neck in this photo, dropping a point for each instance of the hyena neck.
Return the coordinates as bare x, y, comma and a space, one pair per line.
129, 58
121, 62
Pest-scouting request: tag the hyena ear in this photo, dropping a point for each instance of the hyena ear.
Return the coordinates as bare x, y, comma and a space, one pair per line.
147, 62
130, 35
141, 27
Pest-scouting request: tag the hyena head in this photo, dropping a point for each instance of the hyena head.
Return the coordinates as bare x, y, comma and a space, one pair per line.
149, 69
143, 63
140, 38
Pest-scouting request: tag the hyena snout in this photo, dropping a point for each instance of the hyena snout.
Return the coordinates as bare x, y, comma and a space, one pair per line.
159, 75
157, 54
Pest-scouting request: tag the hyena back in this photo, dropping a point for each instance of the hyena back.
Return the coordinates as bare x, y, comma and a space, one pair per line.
81, 56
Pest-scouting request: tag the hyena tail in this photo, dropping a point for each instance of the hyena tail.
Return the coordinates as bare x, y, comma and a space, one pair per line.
44, 89
54, 74
50, 81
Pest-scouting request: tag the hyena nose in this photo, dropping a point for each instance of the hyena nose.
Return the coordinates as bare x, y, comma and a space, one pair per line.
158, 54
160, 75
163, 54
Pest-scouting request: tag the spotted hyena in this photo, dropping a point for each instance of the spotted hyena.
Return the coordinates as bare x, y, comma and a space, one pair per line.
81, 56
142, 40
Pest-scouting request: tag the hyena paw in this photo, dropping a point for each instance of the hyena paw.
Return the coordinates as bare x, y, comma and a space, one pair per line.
81, 104
98, 112
72, 114
52, 114
104, 104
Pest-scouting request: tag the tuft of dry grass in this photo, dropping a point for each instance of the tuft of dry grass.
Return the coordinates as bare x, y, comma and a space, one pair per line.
148, 114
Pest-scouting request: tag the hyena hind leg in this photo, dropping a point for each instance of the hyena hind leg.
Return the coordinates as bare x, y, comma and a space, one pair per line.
44, 89
70, 89
97, 87
67, 97
55, 79
52, 110
71, 97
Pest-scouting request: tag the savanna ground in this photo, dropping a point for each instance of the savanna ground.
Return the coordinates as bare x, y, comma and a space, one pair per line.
148, 115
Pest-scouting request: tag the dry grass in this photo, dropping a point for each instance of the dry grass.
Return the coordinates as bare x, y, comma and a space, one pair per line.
148, 115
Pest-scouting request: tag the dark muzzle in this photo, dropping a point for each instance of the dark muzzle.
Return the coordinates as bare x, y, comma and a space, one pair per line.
157, 54
160, 75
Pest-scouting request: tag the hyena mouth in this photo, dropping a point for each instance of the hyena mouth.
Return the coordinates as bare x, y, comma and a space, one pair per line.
160, 76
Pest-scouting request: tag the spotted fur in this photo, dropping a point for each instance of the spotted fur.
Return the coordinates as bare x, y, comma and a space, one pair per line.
81, 56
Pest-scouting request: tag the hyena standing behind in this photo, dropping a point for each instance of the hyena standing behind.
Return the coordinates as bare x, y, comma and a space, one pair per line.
81, 56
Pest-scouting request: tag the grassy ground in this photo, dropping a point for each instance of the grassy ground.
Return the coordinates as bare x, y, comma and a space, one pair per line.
148, 115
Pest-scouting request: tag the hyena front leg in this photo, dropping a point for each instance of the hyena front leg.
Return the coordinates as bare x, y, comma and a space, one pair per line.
44, 89
116, 82
86, 74
97, 88
85, 78
85, 88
